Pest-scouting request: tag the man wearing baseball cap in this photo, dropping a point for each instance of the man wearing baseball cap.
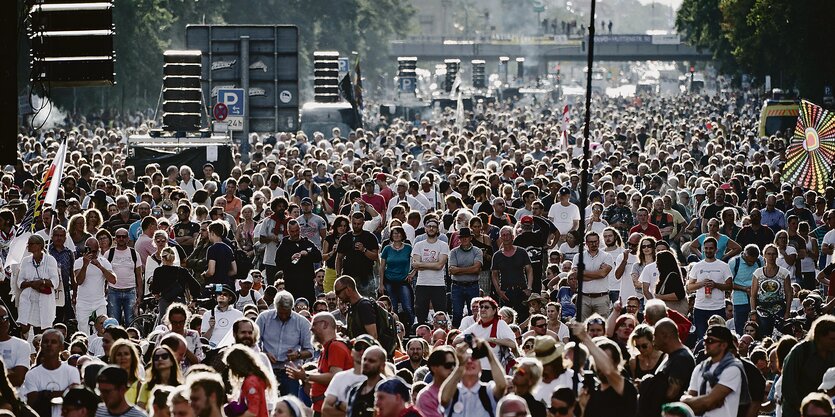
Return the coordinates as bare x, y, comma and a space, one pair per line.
112, 384
717, 385
218, 321
465, 262
391, 398
78, 401
336, 394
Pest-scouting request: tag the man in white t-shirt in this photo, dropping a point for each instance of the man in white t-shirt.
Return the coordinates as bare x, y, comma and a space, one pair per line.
828, 245
49, 379
336, 395
623, 269
121, 296
614, 247
16, 352
564, 214
246, 295
91, 272
429, 257
598, 264
218, 322
709, 278
648, 279
719, 397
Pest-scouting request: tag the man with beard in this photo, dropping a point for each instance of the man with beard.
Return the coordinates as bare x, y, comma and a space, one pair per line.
313, 226
335, 357
112, 384
429, 257
336, 396
124, 218
361, 397
614, 247
296, 257
185, 230
206, 394
534, 240
416, 349
355, 255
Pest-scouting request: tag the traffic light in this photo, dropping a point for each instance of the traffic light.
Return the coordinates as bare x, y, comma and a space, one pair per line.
182, 98
326, 77
72, 43
479, 80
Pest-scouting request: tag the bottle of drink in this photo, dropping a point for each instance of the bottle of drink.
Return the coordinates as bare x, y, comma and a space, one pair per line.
708, 291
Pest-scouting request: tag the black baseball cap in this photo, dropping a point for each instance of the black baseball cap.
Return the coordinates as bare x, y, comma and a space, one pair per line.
720, 332
113, 374
78, 396
565, 191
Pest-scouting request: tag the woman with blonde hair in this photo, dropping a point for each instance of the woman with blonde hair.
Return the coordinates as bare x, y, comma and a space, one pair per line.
123, 353
77, 231
154, 261
253, 382
163, 371
94, 220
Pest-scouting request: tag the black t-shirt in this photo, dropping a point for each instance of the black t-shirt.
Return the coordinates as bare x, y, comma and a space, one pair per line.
332, 242
223, 256
511, 269
712, 211
361, 405
355, 264
534, 244
536, 407
185, 229
608, 403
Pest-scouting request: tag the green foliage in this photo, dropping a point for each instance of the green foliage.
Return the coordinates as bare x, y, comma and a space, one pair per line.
782, 38
146, 28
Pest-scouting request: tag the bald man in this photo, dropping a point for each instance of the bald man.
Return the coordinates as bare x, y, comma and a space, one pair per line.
672, 379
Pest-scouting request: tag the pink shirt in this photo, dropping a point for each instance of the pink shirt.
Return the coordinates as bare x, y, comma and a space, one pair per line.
144, 247
427, 401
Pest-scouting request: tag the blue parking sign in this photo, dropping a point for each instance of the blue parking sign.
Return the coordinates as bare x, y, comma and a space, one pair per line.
233, 98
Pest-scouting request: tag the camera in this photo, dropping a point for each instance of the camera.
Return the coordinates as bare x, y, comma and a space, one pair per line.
590, 381
213, 289
479, 350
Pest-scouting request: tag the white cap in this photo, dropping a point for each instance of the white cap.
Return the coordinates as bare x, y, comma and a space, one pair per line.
828, 380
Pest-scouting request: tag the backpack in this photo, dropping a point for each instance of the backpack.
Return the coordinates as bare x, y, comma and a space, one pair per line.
739, 261
112, 252
482, 395
385, 322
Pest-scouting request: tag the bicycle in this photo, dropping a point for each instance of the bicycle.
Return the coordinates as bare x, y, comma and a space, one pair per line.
146, 322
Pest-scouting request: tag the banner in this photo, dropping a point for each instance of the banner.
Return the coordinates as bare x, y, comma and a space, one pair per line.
811, 153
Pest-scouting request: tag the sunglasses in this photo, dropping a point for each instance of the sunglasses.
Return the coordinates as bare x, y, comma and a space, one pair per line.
558, 410
360, 347
646, 246
710, 341
162, 357
449, 365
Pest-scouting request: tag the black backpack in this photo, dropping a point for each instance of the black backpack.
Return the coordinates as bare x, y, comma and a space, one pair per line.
482, 396
386, 326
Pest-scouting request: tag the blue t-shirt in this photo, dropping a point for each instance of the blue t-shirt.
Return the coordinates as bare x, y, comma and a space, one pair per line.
223, 256
721, 244
743, 277
563, 296
398, 262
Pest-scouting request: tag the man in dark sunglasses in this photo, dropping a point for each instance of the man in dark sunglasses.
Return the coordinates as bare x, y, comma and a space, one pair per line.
441, 362
563, 402
718, 379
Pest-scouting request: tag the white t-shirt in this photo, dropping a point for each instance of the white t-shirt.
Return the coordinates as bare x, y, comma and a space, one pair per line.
223, 323
650, 276
731, 378
502, 332
430, 252
781, 261
42, 379
564, 216
627, 287
91, 291
16, 352
467, 322
593, 264
96, 345
829, 239
124, 268
614, 283
267, 227
716, 271
245, 300
544, 391
342, 382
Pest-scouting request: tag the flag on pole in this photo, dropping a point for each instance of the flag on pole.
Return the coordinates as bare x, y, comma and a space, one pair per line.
564, 134
51, 179
346, 90
358, 85
459, 104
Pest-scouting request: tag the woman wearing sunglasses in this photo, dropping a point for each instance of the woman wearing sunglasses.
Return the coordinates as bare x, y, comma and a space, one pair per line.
164, 370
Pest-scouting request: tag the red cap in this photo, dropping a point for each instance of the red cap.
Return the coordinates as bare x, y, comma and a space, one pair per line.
725, 186
380, 177
526, 219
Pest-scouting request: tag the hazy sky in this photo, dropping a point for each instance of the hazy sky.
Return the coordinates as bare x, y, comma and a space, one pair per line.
674, 3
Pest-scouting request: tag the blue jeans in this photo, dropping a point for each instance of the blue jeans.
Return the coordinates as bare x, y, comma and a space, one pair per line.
768, 321
614, 295
286, 385
741, 313
120, 303
462, 296
700, 318
401, 294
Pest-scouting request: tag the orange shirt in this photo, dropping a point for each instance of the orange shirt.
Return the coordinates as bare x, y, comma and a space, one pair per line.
335, 353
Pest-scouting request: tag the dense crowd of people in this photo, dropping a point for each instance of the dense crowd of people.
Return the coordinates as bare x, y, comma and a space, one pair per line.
426, 269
